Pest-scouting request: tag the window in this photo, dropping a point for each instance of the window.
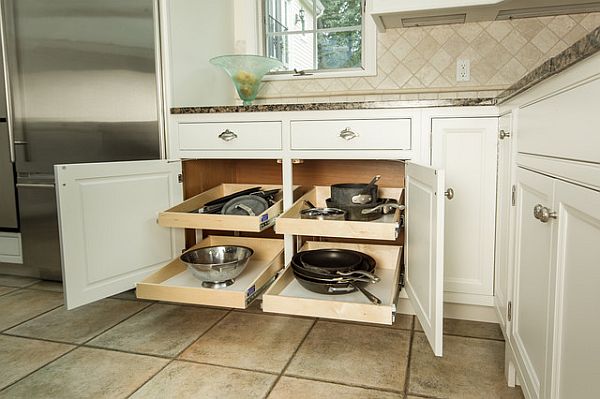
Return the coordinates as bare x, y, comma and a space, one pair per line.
318, 36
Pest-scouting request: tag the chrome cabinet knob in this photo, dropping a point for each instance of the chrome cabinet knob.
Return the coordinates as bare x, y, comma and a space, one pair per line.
449, 193
546, 215
537, 211
348, 134
543, 214
227, 135
503, 134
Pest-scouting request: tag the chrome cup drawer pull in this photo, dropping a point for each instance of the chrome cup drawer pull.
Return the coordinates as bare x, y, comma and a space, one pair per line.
348, 134
227, 135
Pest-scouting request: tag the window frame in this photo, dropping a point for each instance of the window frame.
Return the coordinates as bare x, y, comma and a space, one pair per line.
369, 50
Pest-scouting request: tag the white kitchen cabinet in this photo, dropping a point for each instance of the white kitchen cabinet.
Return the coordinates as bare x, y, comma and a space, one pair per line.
466, 148
505, 197
554, 332
111, 240
108, 232
532, 276
575, 327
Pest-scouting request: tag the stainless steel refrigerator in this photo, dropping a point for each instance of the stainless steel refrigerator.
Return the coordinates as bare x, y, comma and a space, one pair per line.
84, 86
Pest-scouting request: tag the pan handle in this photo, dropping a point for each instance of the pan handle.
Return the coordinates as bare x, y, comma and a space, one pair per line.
374, 278
340, 289
374, 300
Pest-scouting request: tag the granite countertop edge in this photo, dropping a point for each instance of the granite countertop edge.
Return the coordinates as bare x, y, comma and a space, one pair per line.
580, 50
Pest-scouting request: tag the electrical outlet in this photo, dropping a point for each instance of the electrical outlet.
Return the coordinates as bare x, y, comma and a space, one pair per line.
463, 70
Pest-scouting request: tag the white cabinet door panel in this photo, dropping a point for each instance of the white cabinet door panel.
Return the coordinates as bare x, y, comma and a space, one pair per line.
504, 220
532, 276
424, 250
466, 149
109, 236
576, 346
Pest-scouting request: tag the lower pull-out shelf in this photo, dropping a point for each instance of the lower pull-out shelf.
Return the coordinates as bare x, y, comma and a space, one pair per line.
175, 283
287, 296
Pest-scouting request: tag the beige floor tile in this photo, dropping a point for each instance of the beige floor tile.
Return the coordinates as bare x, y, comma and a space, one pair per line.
21, 356
6, 290
250, 341
470, 368
353, 354
88, 373
80, 324
48, 286
468, 328
22, 305
16, 281
160, 329
475, 329
129, 294
296, 388
402, 322
189, 380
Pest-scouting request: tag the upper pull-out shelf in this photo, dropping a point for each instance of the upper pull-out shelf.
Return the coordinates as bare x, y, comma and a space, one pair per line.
185, 215
385, 228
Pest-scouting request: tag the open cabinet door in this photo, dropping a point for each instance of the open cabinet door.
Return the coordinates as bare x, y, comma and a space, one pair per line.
109, 234
424, 249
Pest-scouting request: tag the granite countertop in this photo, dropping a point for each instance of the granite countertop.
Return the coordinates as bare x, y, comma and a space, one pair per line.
579, 51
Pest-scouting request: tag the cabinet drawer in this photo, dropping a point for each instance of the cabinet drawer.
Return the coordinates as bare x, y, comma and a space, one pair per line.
352, 134
287, 296
184, 215
175, 283
385, 228
230, 136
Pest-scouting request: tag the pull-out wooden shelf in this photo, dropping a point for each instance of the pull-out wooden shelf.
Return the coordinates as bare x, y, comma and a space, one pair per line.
287, 296
175, 283
184, 216
385, 228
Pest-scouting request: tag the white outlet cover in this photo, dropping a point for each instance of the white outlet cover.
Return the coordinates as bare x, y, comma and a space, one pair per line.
463, 70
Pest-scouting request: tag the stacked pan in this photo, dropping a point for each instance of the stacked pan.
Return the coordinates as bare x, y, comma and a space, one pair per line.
335, 271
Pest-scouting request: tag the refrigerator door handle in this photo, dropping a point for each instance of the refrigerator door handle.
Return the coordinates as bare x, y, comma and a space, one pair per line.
7, 87
36, 185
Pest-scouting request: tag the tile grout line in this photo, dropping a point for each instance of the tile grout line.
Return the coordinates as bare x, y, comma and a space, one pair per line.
409, 358
284, 369
173, 359
227, 367
344, 384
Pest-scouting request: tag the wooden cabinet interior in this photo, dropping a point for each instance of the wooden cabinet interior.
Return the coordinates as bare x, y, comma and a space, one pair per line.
321, 172
200, 175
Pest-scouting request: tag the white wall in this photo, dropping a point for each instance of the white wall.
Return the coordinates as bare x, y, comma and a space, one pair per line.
198, 31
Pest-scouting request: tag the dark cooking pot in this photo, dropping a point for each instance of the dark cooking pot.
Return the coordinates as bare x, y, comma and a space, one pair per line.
355, 193
355, 211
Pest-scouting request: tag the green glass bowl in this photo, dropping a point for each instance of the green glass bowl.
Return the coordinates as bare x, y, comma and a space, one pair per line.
246, 72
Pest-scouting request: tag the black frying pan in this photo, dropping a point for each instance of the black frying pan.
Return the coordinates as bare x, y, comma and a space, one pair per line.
333, 259
368, 265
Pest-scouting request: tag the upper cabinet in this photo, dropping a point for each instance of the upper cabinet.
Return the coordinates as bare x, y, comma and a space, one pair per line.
409, 13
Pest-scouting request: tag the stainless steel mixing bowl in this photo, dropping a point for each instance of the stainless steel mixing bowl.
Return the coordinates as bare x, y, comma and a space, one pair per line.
219, 265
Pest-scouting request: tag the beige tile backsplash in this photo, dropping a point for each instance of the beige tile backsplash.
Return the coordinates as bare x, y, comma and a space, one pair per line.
420, 63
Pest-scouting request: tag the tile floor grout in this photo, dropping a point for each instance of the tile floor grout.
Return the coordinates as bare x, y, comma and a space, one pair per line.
409, 357
179, 354
405, 392
285, 367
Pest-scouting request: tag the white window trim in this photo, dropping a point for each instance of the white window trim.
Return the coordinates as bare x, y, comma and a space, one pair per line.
248, 40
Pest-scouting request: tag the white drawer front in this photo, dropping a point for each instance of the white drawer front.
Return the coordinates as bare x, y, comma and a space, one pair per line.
352, 134
230, 136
